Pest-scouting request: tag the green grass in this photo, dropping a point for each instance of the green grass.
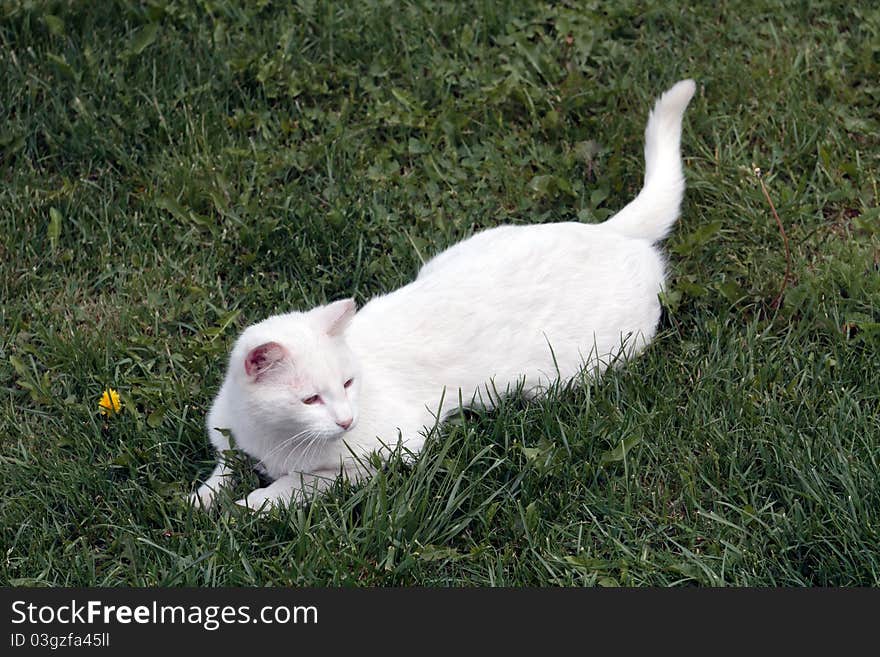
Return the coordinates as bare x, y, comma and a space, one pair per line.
172, 171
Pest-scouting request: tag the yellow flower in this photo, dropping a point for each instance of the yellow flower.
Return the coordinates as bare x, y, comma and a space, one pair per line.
110, 402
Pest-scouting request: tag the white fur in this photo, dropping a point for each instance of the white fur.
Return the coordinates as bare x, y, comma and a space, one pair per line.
511, 306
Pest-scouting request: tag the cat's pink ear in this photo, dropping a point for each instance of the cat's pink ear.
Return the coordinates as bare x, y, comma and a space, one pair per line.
261, 359
334, 317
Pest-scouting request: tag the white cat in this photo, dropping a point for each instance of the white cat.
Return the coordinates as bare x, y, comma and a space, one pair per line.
310, 395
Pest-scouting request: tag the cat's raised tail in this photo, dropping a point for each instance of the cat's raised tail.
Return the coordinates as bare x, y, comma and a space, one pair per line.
651, 214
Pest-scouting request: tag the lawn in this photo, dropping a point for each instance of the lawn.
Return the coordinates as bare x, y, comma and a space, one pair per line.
172, 171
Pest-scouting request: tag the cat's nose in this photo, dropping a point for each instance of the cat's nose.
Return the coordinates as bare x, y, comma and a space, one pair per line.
345, 424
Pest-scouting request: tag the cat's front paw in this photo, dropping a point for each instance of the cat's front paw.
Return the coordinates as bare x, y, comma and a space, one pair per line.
203, 498
258, 500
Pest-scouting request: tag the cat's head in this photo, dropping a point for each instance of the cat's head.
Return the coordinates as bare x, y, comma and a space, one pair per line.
295, 372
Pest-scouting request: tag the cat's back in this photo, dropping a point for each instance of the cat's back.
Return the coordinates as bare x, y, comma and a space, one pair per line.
535, 302
546, 251
567, 278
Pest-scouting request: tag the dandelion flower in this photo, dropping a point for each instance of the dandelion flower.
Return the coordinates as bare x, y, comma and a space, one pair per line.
109, 403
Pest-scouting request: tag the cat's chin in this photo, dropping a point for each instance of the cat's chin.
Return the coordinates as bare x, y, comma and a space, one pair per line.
339, 434
331, 435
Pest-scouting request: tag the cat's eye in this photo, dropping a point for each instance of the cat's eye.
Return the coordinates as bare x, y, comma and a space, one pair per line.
314, 399
348, 383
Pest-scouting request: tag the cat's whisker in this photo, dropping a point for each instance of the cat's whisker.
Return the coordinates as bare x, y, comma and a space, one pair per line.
303, 447
313, 446
284, 443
